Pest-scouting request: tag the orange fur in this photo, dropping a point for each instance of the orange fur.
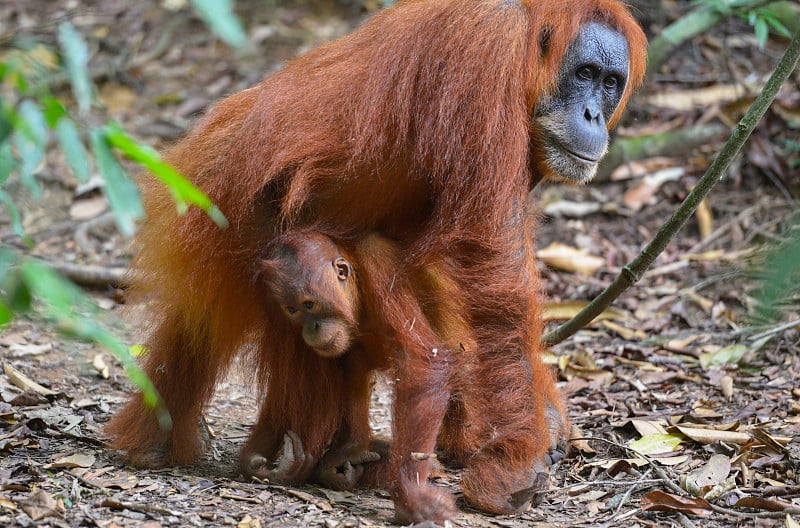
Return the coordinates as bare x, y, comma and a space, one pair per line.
416, 126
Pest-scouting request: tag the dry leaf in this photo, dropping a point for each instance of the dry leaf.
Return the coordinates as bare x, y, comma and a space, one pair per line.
646, 427
660, 501
641, 168
684, 100
760, 503
24, 382
726, 385
87, 208
99, 364
567, 258
40, 505
77, 460
571, 209
714, 472
249, 522
625, 333
19, 350
644, 194
705, 219
709, 436
117, 98
567, 310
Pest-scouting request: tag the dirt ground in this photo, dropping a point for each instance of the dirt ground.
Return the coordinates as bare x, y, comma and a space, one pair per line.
677, 356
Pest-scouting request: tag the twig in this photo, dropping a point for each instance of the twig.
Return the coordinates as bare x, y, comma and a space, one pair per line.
685, 522
636, 268
627, 496
136, 506
84, 229
89, 275
775, 330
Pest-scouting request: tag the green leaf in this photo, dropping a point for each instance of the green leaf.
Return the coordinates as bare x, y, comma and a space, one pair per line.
7, 162
16, 220
72, 145
8, 118
30, 141
182, 189
780, 278
76, 58
53, 110
122, 194
219, 16
5, 128
656, 444
776, 24
762, 32
5, 314
729, 355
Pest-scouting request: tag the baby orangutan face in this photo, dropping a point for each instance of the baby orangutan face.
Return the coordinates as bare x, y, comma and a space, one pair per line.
314, 287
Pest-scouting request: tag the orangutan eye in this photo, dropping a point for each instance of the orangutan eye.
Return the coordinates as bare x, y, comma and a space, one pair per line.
308, 305
291, 310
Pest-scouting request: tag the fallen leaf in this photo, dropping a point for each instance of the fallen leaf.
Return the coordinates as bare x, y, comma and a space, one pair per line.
709, 436
24, 382
654, 444
684, 100
567, 310
86, 208
727, 355
19, 350
40, 505
648, 428
726, 386
644, 194
117, 98
705, 219
28, 399
77, 460
569, 209
567, 258
99, 364
625, 333
714, 472
641, 168
657, 500
760, 503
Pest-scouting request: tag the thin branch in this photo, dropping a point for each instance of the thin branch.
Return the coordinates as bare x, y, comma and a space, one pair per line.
636, 268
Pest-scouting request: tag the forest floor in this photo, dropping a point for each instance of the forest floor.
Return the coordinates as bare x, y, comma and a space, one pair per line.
676, 357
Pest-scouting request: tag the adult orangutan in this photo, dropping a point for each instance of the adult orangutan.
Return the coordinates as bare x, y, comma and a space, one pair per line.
428, 125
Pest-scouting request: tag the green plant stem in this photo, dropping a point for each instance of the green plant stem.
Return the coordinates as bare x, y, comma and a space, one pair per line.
636, 268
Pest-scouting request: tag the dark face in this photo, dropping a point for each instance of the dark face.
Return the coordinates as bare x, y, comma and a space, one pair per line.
572, 123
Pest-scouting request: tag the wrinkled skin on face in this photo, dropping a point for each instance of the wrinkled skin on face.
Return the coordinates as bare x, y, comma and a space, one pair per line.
314, 287
573, 122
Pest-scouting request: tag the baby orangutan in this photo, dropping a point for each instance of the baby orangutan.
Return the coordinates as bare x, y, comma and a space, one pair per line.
342, 307
313, 286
